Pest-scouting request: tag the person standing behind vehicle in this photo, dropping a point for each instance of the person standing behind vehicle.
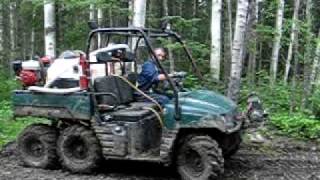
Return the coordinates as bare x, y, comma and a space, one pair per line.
151, 76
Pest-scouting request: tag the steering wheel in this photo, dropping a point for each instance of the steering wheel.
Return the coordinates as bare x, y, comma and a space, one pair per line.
164, 86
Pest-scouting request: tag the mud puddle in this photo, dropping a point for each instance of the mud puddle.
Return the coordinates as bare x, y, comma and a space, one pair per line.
283, 159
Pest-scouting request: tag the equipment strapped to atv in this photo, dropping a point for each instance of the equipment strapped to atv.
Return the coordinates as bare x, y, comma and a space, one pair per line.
101, 118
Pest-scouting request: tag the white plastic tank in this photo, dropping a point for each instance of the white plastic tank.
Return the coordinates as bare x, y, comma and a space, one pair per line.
31, 65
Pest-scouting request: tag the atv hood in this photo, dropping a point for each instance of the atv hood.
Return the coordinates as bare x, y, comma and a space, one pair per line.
202, 108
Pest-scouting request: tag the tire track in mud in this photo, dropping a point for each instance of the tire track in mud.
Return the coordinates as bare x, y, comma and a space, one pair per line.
252, 162
282, 164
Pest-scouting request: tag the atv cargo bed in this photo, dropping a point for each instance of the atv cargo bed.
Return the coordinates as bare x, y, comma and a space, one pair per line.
53, 106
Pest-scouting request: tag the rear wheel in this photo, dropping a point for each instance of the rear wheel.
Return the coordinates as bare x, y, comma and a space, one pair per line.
200, 158
79, 149
37, 146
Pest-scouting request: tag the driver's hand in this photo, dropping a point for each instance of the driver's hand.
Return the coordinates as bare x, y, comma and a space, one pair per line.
162, 77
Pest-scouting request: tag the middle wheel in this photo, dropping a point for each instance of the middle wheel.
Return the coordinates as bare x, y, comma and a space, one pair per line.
79, 149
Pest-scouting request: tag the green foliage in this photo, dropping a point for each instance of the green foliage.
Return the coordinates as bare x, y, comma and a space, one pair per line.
6, 86
297, 125
9, 128
276, 98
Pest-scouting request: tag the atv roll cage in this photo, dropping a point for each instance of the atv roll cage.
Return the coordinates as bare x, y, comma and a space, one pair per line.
145, 34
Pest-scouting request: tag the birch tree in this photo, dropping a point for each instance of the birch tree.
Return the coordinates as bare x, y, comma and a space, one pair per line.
32, 40
12, 29
166, 14
236, 64
276, 43
215, 56
139, 16
100, 20
315, 64
227, 40
91, 12
49, 26
139, 13
253, 20
307, 56
293, 38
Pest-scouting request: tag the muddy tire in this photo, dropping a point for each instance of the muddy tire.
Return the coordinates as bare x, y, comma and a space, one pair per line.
200, 158
79, 149
37, 146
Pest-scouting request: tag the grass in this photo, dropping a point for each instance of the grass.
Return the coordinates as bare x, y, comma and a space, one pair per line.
297, 125
10, 128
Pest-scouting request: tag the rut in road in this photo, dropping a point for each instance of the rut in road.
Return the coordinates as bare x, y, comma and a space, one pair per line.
280, 160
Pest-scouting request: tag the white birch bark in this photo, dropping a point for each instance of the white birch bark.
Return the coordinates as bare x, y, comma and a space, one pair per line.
277, 42
215, 57
236, 64
292, 38
49, 26
139, 16
130, 7
91, 12
139, 13
32, 41
100, 20
166, 14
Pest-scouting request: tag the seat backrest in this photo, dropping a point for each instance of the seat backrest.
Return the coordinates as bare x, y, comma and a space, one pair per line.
116, 86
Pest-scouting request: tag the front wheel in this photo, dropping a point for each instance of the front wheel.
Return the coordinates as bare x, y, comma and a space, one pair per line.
79, 149
200, 158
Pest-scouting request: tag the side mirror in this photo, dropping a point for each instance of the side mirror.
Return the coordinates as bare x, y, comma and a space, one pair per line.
103, 57
93, 25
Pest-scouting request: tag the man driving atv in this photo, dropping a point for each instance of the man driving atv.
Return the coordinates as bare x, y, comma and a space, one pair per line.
150, 76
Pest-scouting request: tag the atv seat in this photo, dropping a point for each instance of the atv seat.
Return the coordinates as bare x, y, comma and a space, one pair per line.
111, 91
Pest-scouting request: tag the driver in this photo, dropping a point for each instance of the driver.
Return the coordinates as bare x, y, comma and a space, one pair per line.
151, 76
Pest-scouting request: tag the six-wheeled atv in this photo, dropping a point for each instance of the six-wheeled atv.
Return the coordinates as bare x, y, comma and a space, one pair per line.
101, 118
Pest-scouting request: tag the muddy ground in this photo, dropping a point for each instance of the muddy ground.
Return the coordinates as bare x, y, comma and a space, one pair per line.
277, 159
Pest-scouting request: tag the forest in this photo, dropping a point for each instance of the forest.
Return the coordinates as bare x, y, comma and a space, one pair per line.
269, 48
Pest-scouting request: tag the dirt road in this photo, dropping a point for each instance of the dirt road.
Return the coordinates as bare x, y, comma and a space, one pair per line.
280, 159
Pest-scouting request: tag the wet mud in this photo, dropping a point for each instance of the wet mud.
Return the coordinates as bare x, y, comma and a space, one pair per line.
279, 159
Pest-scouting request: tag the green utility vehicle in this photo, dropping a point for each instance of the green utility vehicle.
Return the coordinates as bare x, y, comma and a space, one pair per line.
102, 119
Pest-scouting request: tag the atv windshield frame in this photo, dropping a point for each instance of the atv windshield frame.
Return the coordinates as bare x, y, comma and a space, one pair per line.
145, 34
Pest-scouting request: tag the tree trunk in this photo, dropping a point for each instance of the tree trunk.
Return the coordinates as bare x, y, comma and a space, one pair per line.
236, 64
1, 34
166, 14
253, 37
292, 38
293, 94
92, 13
314, 80
100, 24
12, 30
49, 25
32, 40
307, 56
139, 16
139, 13
276, 43
215, 39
